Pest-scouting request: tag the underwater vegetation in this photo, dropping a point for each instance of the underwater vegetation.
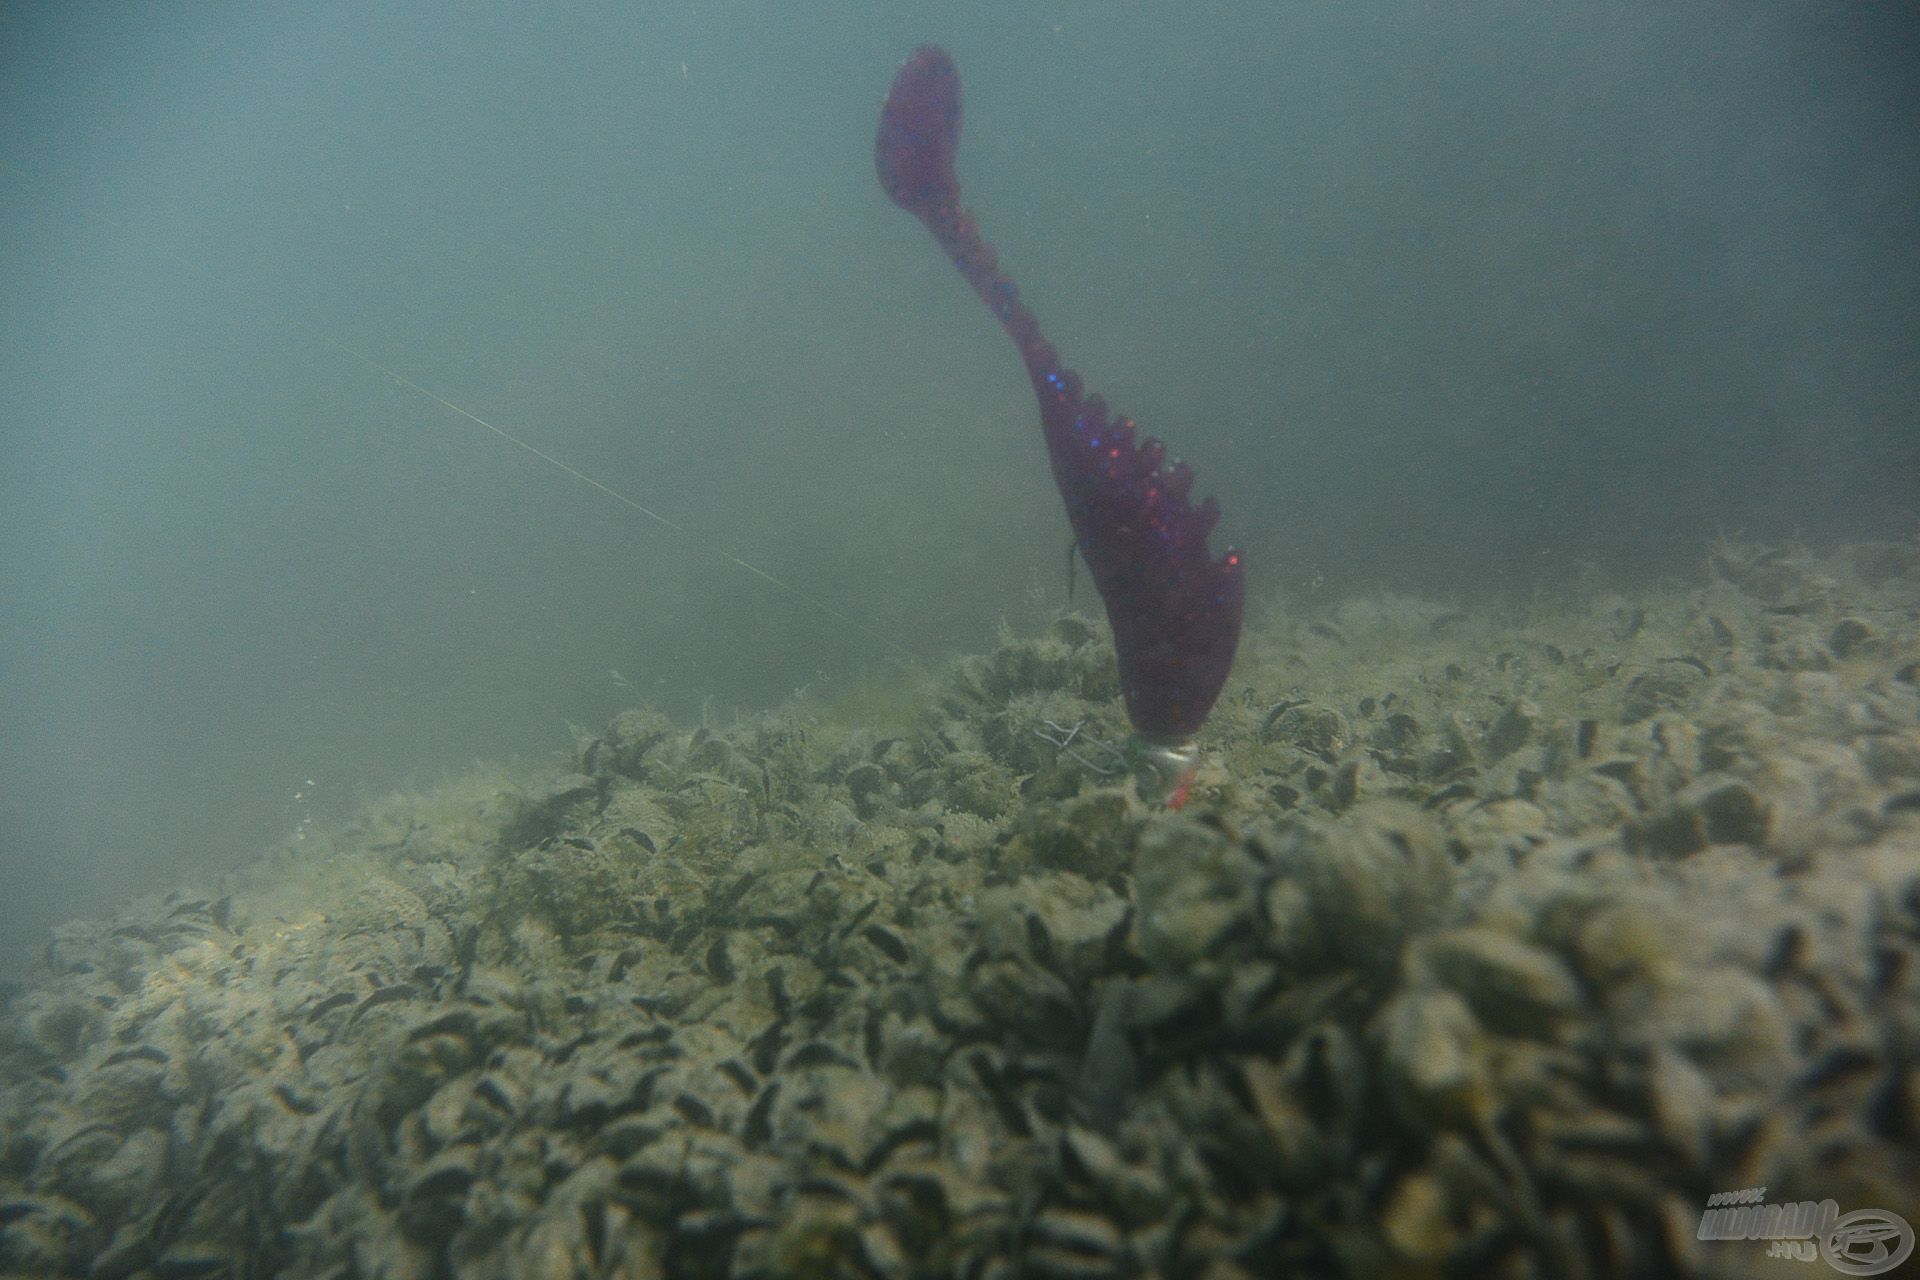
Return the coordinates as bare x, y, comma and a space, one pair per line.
1495, 943
1174, 609
1498, 943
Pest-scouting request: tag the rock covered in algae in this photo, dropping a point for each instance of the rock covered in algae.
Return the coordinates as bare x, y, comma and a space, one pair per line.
1494, 954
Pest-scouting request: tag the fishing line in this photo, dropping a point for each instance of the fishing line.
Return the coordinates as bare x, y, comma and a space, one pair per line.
796, 593
799, 596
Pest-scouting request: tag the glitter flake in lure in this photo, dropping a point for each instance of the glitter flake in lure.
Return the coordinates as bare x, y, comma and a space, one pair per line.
1174, 609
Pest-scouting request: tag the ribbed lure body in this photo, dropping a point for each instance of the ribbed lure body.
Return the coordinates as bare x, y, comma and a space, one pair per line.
1174, 608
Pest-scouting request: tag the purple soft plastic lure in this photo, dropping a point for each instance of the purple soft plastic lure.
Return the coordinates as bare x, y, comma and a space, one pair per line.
1175, 610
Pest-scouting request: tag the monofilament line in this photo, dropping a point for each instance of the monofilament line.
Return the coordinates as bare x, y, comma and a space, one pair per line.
799, 596
795, 593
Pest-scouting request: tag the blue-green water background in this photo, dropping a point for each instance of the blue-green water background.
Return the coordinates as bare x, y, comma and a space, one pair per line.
1460, 299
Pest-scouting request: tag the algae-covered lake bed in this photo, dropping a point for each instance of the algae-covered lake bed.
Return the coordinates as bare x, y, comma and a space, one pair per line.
1492, 940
